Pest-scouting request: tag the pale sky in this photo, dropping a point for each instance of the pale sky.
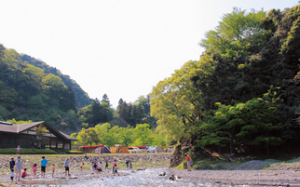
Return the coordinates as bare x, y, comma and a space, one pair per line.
121, 48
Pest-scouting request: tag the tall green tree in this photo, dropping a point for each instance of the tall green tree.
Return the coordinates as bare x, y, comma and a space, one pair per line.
177, 104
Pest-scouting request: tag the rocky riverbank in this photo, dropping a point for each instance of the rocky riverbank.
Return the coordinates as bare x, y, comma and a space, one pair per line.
139, 161
251, 173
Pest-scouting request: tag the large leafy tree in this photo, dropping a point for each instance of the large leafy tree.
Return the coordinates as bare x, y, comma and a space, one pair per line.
245, 56
253, 124
177, 104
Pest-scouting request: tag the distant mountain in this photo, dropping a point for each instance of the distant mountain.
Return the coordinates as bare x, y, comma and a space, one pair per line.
82, 99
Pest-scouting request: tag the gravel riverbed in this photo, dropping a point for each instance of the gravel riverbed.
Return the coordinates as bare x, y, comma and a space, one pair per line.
251, 173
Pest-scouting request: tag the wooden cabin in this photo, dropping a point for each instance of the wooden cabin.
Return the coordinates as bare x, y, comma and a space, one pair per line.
38, 135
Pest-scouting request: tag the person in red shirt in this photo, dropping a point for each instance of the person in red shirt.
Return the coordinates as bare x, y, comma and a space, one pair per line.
189, 162
24, 174
53, 170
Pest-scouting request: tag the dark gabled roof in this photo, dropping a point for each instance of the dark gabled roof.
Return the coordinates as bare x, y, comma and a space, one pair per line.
18, 128
25, 126
68, 137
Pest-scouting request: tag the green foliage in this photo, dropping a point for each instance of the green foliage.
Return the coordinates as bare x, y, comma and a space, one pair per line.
177, 104
82, 99
96, 113
107, 135
27, 92
88, 136
252, 123
132, 113
74, 152
182, 165
13, 121
244, 90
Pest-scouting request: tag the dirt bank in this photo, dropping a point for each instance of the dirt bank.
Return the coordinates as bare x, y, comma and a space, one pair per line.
241, 177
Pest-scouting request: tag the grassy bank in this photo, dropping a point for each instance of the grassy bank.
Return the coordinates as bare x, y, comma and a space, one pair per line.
267, 164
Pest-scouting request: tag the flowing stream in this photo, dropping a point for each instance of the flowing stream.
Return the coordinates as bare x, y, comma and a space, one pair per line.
148, 177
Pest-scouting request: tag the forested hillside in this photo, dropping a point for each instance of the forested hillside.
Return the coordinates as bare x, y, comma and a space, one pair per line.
243, 95
28, 93
31, 90
82, 99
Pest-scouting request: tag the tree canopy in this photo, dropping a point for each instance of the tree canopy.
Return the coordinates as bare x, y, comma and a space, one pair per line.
242, 92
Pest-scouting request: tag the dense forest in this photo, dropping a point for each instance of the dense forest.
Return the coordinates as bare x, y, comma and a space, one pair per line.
82, 99
243, 95
31, 90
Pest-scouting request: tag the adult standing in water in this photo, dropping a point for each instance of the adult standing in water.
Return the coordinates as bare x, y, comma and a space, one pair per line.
43, 165
189, 162
19, 167
67, 167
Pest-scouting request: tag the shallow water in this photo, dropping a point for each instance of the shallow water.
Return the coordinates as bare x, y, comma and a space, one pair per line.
148, 177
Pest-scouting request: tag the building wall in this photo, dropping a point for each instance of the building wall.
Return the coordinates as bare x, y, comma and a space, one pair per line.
9, 140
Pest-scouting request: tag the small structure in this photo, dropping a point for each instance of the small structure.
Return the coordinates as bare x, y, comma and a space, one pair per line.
118, 148
144, 148
33, 135
91, 148
155, 149
105, 150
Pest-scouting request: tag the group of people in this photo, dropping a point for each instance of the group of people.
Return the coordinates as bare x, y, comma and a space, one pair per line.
16, 168
97, 166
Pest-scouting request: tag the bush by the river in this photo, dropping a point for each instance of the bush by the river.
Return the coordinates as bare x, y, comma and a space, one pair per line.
74, 152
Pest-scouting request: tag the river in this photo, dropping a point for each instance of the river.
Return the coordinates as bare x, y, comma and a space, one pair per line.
147, 177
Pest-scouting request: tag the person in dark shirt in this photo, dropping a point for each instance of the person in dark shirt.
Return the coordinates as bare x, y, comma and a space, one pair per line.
106, 164
127, 163
12, 164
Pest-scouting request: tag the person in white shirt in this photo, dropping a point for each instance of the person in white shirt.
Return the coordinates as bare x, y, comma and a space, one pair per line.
12, 174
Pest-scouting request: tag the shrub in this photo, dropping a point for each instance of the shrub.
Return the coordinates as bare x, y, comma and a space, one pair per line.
74, 152
182, 165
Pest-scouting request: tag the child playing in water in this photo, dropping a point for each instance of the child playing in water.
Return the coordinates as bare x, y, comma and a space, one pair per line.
24, 174
12, 174
116, 169
101, 165
34, 169
53, 170
81, 166
114, 164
